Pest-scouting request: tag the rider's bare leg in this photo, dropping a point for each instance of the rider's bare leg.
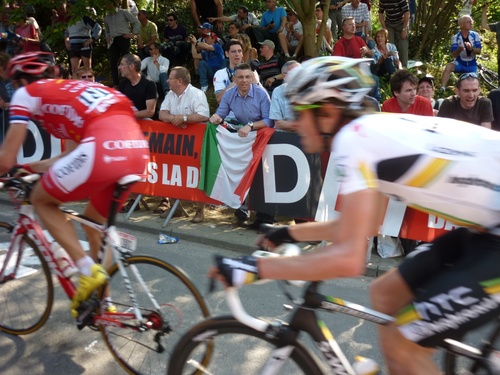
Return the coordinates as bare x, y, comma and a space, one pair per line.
389, 294
93, 236
56, 222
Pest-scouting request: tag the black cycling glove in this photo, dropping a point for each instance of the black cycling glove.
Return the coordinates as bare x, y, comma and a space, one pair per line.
238, 271
279, 235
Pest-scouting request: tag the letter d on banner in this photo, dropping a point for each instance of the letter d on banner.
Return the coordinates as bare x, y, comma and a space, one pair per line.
301, 187
38, 145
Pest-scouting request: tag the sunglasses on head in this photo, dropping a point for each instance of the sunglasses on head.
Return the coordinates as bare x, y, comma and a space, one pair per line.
467, 75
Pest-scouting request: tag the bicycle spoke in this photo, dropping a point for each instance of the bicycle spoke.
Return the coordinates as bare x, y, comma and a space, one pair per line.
26, 300
146, 348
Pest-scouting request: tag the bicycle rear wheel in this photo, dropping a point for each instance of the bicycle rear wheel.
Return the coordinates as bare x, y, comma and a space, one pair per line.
238, 349
139, 352
25, 298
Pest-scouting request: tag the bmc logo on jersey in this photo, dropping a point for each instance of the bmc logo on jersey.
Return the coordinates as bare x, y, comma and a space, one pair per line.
125, 144
63, 110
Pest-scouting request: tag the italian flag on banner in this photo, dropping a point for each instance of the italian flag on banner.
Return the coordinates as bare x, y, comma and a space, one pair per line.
229, 162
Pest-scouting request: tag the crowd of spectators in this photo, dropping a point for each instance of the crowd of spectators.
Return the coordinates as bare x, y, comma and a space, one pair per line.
261, 50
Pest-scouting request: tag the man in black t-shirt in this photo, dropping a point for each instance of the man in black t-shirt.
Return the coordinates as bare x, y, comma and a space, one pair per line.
139, 89
269, 69
467, 105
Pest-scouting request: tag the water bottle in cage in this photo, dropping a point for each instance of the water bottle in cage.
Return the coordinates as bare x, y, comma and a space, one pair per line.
63, 260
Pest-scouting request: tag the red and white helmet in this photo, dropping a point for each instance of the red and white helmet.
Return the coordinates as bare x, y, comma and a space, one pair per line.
31, 63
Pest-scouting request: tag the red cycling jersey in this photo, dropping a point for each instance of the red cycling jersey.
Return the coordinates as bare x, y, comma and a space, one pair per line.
98, 118
66, 108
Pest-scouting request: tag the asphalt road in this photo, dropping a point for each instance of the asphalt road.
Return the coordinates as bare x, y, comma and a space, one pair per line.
60, 348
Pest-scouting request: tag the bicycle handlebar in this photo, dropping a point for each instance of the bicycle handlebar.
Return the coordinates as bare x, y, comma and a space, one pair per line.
29, 178
237, 310
232, 296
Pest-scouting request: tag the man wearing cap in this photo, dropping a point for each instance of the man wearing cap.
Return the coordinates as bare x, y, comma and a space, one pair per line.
405, 98
426, 89
202, 10
211, 57
467, 104
269, 69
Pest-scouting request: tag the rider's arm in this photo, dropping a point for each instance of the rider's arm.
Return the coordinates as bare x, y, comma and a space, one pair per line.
43, 165
361, 215
11, 145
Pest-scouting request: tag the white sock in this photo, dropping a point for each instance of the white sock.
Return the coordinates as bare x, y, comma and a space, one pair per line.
85, 264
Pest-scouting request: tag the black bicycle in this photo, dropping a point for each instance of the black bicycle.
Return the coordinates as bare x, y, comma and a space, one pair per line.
488, 76
243, 344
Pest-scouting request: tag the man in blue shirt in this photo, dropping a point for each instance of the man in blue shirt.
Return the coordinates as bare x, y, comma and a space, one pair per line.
249, 102
272, 23
281, 111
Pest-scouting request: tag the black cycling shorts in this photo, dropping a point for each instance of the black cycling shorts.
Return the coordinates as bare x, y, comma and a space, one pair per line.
456, 281
78, 50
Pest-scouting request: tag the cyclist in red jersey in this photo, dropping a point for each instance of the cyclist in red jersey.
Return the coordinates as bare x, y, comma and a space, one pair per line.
103, 143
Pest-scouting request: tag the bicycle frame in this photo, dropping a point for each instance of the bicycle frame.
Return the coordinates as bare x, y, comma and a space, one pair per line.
304, 318
27, 224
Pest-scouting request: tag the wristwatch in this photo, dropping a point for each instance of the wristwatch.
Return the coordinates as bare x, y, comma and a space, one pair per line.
185, 118
250, 123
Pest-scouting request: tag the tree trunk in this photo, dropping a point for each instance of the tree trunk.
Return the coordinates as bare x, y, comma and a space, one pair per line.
306, 13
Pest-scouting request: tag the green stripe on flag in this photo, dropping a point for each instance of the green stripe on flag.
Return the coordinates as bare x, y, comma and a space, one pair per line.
210, 160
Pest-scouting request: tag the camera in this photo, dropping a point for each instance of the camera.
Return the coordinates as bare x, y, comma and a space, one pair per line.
254, 64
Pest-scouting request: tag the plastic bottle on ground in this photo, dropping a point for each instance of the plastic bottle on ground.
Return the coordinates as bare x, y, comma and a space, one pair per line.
163, 239
63, 260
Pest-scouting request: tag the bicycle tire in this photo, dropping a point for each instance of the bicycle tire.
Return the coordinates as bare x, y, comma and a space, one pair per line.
26, 300
491, 78
181, 306
458, 365
237, 349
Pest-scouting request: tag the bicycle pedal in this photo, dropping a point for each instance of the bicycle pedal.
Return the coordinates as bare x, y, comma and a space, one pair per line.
86, 312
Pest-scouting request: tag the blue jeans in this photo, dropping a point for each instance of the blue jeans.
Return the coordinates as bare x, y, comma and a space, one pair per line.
206, 73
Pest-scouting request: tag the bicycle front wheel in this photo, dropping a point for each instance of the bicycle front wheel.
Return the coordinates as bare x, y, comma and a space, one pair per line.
181, 305
238, 349
26, 291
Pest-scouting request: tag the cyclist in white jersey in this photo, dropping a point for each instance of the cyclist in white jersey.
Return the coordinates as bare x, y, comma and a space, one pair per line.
443, 166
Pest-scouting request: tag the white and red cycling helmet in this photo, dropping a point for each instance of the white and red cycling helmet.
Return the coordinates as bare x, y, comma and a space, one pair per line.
33, 64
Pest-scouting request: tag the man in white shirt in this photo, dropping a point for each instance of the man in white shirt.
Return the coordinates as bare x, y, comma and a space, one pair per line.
157, 68
184, 104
